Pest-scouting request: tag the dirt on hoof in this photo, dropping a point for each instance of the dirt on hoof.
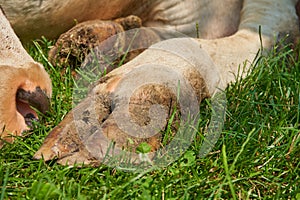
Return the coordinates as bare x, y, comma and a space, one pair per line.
72, 46
87, 132
129, 22
105, 43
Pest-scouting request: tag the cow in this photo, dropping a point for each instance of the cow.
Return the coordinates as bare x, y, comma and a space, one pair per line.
231, 32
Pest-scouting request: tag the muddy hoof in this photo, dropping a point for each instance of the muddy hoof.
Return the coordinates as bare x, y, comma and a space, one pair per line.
73, 46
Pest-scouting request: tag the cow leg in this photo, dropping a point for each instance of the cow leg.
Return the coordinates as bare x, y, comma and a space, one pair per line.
262, 22
133, 102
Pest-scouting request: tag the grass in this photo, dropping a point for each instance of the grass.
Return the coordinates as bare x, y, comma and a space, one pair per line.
256, 157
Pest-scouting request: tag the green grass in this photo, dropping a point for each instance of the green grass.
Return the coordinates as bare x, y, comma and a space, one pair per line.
256, 157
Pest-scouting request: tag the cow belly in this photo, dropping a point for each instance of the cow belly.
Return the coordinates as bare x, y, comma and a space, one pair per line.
33, 19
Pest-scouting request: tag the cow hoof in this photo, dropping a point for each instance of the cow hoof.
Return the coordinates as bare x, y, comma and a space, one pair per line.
73, 46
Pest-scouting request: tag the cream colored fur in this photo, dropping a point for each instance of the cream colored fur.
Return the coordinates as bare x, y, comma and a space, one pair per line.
272, 17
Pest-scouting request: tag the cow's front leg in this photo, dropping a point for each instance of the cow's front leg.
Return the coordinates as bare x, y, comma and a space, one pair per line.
134, 101
133, 104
